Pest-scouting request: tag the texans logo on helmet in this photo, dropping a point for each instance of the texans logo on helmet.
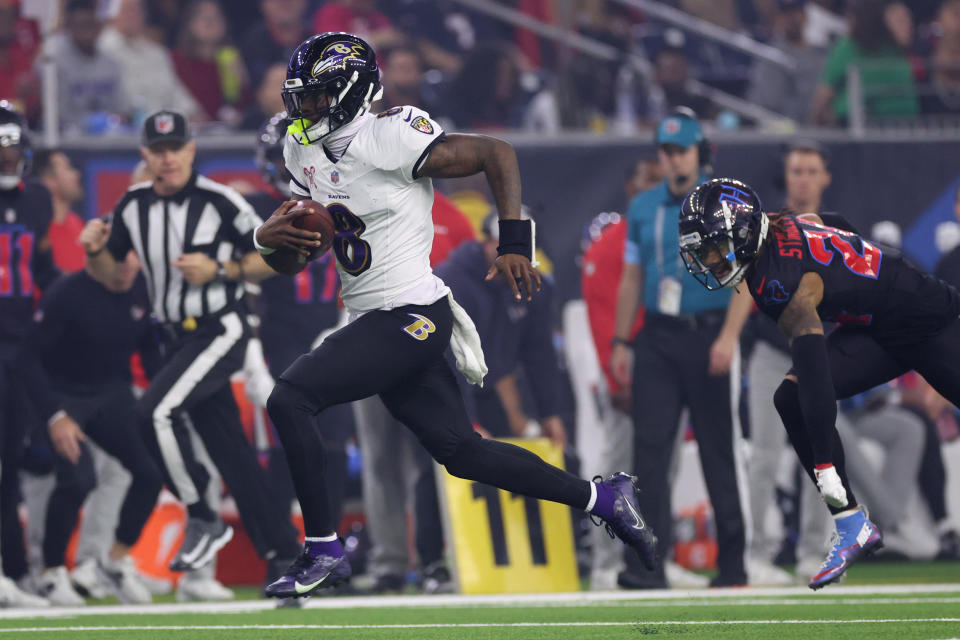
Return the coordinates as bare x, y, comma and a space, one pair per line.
734, 195
335, 56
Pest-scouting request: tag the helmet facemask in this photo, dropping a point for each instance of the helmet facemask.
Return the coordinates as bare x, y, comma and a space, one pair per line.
345, 97
12, 137
720, 260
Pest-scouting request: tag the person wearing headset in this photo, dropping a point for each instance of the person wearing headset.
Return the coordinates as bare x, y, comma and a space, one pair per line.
686, 355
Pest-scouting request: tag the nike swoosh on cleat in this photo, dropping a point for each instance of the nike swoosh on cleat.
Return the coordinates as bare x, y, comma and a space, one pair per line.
640, 523
192, 555
303, 588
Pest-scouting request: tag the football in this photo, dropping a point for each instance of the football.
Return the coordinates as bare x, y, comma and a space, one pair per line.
290, 262
319, 220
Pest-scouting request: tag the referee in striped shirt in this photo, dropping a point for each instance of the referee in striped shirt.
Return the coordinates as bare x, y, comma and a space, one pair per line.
195, 239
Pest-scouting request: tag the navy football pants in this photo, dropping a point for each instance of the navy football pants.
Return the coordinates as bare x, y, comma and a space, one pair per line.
859, 362
398, 354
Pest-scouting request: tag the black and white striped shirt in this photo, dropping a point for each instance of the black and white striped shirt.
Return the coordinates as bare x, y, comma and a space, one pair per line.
203, 217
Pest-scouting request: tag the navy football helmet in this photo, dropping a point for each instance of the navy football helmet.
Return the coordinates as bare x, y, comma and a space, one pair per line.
269, 156
722, 227
339, 67
13, 134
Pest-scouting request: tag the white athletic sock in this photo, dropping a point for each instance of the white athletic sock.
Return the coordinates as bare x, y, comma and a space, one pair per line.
329, 538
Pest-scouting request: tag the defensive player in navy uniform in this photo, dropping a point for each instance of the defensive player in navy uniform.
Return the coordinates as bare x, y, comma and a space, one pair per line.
373, 173
891, 318
26, 264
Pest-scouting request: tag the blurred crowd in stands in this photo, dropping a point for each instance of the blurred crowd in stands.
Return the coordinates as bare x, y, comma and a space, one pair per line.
223, 63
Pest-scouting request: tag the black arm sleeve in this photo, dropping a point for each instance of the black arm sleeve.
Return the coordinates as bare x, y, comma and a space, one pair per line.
818, 400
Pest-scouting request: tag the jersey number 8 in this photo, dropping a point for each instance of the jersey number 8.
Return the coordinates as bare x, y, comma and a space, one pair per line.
352, 253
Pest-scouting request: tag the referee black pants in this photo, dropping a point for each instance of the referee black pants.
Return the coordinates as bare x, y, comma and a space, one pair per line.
671, 359
107, 418
195, 381
399, 354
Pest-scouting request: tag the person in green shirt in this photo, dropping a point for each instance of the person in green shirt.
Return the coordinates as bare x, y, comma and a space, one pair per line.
888, 89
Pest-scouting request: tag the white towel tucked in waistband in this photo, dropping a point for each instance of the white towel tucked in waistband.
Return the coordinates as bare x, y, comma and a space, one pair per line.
465, 343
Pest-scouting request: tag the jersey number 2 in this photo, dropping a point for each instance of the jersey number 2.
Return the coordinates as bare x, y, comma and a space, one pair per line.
352, 253
865, 263
23, 245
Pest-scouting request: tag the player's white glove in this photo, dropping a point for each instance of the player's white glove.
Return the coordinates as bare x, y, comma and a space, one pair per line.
257, 381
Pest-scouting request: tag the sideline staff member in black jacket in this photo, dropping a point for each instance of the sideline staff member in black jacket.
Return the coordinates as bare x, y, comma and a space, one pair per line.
195, 240
84, 336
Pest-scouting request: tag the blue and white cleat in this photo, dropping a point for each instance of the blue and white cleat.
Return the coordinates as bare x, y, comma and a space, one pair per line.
309, 573
856, 537
627, 522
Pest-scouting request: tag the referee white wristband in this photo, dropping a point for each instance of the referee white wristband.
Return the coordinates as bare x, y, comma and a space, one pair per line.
264, 251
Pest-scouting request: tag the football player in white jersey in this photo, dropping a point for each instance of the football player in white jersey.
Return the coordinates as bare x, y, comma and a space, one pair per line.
373, 173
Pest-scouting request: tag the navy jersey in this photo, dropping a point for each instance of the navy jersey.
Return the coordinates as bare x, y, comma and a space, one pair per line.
862, 284
25, 216
294, 310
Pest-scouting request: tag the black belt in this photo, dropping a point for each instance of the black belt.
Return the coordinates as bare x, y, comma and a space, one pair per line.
192, 324
691, 321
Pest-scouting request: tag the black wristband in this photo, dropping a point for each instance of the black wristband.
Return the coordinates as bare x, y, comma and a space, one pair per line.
618, 340
516, 236
94, 254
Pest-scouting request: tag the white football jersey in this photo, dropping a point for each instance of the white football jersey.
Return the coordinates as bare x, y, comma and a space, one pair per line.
383, 214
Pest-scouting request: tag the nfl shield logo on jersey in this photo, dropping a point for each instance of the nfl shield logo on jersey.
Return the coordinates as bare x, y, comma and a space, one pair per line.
164, 123
334, 177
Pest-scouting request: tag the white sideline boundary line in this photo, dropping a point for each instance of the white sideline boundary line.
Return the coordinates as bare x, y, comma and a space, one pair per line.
469, 625
694, 597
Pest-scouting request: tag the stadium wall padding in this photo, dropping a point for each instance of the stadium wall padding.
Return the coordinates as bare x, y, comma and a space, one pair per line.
566, 185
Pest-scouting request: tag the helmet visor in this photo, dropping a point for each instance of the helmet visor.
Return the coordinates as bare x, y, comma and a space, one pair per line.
710, 260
